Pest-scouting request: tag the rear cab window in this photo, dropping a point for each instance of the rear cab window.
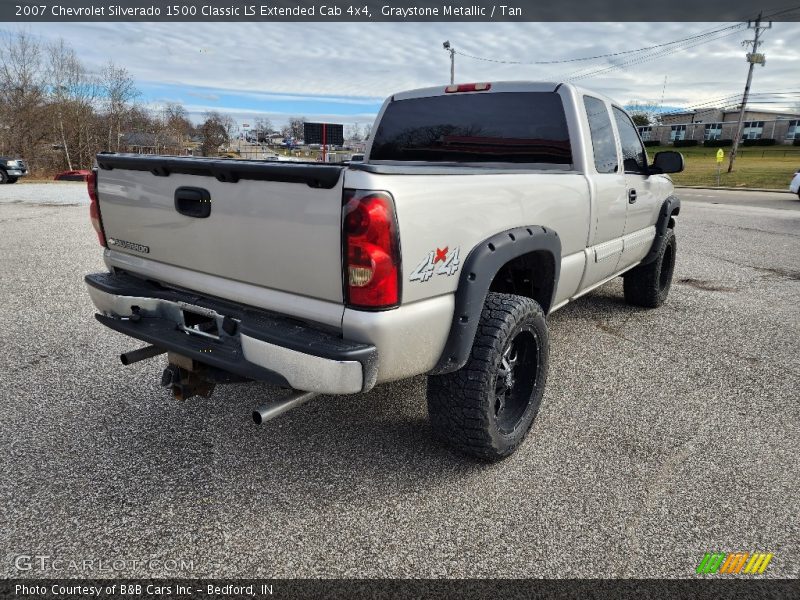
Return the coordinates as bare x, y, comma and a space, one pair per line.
495, 128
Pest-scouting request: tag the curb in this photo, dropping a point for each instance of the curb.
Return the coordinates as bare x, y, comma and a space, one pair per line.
730, 189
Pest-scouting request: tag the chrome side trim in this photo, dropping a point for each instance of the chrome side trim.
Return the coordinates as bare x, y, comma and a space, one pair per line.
608, 250
638, 238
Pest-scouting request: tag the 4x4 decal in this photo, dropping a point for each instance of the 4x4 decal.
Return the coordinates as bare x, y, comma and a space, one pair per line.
427, 268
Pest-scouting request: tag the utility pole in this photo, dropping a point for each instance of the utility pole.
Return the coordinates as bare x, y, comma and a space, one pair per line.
446, 45
753, 58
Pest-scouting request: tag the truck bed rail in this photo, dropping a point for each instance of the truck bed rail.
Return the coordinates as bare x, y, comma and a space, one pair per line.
226, 169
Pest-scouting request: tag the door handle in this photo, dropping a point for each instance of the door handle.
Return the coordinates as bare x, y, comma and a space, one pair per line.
193, 202
631, 196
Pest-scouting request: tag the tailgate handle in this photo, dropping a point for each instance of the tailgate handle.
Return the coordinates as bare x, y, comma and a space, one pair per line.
193, 202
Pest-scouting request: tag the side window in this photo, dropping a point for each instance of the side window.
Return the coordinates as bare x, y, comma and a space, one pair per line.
633, 155
603, 144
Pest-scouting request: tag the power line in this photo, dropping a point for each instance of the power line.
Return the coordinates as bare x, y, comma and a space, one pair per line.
646, 58
726, 100
668, 48
723, 99
703, 38
599, 56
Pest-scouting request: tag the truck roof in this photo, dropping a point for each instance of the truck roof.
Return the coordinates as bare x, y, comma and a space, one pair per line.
496, 86
503, 86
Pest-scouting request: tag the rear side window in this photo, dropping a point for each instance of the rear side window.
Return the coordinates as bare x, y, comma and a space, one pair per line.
503, 127
633, 155
604, 145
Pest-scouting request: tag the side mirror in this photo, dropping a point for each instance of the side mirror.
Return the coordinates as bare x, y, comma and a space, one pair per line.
667, 162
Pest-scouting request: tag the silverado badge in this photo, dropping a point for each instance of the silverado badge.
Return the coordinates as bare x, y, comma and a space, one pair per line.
129, 245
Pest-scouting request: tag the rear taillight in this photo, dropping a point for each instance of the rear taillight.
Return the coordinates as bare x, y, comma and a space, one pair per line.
94, 207
371, 250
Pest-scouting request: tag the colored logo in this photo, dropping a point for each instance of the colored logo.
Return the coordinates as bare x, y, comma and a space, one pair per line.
447, 260
734, 563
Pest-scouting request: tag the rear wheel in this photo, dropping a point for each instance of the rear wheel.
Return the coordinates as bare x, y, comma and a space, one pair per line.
648, 285
488, 406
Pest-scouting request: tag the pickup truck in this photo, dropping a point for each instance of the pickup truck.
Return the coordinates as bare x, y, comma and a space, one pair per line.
479, 209
11, 169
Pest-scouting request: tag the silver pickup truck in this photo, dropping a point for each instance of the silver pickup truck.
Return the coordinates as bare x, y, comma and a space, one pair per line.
478, 210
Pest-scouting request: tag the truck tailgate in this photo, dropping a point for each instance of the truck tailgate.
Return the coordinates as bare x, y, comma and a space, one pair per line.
274, 225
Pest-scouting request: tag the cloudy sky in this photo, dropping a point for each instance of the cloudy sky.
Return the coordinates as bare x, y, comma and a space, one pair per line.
342, 71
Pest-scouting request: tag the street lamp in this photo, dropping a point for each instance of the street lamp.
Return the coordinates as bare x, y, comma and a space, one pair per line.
446, 45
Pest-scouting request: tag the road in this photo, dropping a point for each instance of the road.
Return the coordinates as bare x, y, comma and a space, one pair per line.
663, 434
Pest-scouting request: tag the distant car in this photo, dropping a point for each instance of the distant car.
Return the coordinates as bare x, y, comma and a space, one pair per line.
357, 158
78, 175
11, 169
795, 185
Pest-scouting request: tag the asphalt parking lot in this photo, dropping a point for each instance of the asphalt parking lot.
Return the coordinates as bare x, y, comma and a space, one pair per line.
663, 434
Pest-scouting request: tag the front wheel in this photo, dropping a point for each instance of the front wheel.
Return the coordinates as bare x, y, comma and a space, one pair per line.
12, 180
3, 177
648, 285
487, 407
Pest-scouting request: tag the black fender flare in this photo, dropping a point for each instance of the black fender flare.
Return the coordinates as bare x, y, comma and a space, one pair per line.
671, 206
479, 269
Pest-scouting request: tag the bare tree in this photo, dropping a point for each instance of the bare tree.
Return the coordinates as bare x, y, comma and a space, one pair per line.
175, 125
263, 128
367, 131
644, 112
71, 95
354, 132
120, 92
214, 131
230, 126
22, 94
296, 127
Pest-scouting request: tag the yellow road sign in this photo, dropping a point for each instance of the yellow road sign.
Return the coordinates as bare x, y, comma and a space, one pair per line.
720, 155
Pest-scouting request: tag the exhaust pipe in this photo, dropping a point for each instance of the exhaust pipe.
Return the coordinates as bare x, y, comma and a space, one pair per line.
141, 354
270, 410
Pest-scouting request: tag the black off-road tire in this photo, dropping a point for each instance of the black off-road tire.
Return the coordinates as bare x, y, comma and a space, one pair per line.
487, 407
12, 180
3, 177
648, 285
